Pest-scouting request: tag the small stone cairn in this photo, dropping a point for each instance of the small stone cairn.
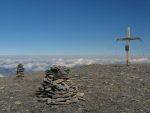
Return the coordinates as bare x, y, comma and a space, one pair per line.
20, 71
57, 88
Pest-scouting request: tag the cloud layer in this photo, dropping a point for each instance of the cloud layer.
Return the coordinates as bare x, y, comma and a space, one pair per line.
1, 76
41, 63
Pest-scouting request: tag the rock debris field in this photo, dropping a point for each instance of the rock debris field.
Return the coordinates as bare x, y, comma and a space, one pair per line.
106, 89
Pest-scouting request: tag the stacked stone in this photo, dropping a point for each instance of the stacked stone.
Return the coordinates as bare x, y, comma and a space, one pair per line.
20, 70
56, 88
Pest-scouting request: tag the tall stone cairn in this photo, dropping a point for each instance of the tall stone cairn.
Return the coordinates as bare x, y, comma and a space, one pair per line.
20, 71
57, 88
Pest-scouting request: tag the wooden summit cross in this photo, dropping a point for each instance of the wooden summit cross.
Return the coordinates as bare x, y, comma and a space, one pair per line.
127, 46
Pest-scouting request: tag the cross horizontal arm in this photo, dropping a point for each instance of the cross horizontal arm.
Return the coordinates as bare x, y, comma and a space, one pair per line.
135, 38
123, 39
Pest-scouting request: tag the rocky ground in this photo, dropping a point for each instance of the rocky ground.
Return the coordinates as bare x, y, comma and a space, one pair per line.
106, 88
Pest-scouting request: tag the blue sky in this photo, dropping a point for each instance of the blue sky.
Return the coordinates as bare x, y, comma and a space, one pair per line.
72, 27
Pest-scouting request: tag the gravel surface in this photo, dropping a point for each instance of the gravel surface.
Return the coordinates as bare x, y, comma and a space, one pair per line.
106, 88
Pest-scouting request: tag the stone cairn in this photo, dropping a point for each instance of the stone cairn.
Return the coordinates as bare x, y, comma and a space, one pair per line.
20, 71
57, 88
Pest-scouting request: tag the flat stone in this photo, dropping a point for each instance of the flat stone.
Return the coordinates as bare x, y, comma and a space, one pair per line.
48, 89
60, 87
58, 81
80, 94
76, 75
42, 99
2, 88
18, 102
75, 100
11, 97
49, 101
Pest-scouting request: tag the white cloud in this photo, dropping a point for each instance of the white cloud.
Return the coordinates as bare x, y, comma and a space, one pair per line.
41, 63
1, 75
141, 60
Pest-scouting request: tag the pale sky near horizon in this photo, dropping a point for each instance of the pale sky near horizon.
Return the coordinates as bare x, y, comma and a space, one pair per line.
72, 27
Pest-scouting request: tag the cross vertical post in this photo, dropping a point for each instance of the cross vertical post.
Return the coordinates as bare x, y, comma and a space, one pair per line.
127, 46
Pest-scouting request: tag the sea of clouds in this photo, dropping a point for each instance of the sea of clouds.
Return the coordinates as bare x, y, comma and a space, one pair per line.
41, 63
